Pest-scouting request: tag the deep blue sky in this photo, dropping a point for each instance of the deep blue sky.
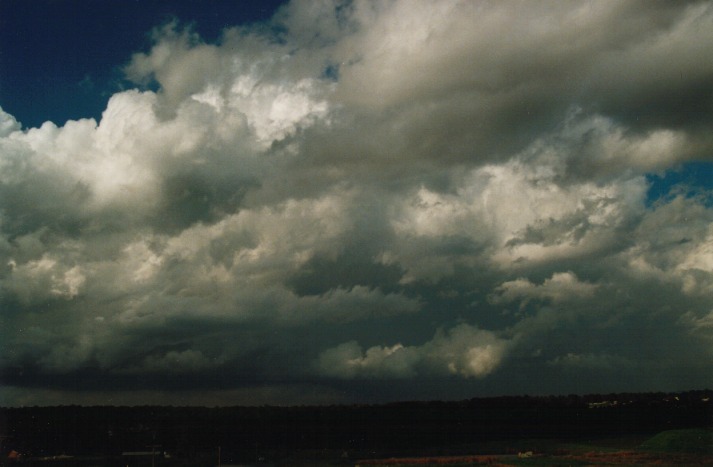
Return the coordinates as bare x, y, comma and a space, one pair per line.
61, 59
689, 179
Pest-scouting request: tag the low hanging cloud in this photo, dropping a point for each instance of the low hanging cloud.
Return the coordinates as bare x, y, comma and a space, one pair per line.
364, 191
463, 351
590, 361
560, 287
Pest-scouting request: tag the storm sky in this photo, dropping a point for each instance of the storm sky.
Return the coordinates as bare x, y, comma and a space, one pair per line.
351, 201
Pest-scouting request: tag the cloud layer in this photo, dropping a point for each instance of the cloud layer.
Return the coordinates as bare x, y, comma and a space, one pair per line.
360, 195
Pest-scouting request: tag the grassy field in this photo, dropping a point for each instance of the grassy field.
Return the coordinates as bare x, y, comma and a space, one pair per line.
697, 441
668, 448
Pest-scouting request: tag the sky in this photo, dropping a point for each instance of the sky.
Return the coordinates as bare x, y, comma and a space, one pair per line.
335, 202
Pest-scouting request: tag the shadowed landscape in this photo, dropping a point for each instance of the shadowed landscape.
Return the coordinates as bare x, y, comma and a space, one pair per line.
633, 429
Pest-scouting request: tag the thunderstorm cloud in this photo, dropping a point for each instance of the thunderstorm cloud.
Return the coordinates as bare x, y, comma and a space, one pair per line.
364, 201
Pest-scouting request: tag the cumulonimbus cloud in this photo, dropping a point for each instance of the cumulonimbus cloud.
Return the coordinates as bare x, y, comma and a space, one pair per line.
315, 199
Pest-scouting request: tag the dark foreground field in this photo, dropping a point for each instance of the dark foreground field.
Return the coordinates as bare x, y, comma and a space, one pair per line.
613, 429
672, 447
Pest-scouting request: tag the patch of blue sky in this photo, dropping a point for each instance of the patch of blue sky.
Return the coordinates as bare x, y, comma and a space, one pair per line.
689, 179
63, 60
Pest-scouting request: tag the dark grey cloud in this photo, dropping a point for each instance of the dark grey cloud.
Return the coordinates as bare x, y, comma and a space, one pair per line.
368, 201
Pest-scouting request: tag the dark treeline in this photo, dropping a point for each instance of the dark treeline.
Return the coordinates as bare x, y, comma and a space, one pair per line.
244, 432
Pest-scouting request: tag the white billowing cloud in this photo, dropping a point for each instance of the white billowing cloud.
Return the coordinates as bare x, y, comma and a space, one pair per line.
276, 111
588, 145
560, 287
348, 361
240, 262
267, 240
141, 261
180, 63
37, 280
467, 351
701, 258
8, 124
240, 87
111, 161
697, 265
131, 157
673, 245
522, 213
464, 350
129, 167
